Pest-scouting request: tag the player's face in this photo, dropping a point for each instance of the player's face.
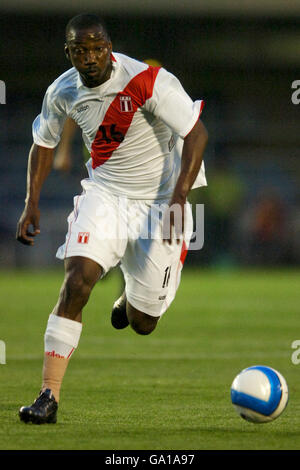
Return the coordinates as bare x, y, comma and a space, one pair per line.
90, 53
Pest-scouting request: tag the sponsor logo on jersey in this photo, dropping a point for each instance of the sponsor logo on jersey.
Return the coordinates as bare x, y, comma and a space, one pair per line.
82, 108
126, 104
83, 237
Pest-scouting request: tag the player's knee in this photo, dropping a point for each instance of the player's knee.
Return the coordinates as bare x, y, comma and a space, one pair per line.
140, 322
76, 285
142, 328
79, 279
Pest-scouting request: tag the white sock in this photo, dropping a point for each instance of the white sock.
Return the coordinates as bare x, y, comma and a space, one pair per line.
62, 336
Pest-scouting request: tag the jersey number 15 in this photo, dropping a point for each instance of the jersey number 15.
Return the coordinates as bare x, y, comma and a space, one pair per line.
110, 134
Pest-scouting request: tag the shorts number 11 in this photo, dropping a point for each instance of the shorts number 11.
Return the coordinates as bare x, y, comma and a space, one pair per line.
167, 276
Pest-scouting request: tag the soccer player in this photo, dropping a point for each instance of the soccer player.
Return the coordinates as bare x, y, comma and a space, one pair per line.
131, 114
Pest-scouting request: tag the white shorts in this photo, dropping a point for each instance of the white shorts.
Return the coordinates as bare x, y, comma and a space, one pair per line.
111, 229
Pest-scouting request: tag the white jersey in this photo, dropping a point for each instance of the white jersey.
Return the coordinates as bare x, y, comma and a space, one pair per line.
130, 125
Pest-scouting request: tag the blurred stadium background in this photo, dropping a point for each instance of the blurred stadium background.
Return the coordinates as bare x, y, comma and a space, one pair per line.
240, 57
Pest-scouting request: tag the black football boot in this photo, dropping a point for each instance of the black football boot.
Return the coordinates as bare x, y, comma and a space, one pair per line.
43, 410
119, 318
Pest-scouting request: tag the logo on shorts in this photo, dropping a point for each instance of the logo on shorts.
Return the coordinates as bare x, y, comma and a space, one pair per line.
83, 237
126, 104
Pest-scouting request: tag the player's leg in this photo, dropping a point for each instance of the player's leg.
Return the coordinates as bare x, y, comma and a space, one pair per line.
81, 274
152, 272
140, 322
88, 253
123, 314
64, 324
62, 336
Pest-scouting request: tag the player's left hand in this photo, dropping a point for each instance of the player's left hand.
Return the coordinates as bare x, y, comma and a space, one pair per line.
173, 222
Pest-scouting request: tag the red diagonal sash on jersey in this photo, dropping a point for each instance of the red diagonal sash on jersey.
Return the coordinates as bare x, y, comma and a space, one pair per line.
119, 115
183, 253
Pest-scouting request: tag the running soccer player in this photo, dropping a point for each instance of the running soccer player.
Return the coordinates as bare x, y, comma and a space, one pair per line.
131, 114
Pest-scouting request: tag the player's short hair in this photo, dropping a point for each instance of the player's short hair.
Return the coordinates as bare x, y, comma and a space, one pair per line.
84, 21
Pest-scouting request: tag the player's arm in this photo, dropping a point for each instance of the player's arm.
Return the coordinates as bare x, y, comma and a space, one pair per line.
170, 103
46, 130
39, 165
63, 159
192, 156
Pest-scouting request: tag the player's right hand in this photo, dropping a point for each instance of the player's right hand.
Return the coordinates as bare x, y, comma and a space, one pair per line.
28, 226
173, 223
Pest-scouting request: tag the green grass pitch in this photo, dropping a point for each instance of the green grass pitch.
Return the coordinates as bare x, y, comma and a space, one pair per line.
166, 391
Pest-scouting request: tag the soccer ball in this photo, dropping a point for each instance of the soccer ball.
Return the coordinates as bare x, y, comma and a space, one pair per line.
259, 394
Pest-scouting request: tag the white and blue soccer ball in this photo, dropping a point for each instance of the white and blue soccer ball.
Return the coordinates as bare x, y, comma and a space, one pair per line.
259, 394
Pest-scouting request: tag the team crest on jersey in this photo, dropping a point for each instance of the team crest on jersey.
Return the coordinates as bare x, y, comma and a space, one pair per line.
126, 104
83, 237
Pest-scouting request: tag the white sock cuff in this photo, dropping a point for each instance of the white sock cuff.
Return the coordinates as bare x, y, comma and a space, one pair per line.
64, 330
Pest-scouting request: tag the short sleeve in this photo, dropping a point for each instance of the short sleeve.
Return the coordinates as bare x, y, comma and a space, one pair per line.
170, 103
47, 126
